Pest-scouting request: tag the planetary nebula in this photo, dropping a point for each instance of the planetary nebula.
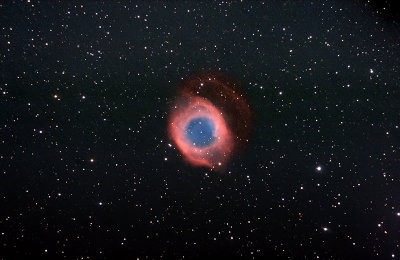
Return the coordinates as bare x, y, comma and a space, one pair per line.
210, 120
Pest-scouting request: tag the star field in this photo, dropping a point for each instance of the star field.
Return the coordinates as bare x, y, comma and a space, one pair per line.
87, 169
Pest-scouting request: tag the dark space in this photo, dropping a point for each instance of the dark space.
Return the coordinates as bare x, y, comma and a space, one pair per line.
88, 170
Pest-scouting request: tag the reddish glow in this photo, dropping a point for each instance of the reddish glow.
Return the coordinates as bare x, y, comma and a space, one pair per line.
210, 156
217, 97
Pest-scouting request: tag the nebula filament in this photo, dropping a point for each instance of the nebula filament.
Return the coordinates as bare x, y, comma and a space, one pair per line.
210, 119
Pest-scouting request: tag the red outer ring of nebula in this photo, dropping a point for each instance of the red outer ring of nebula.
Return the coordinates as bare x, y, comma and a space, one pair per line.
215, 154
216, 96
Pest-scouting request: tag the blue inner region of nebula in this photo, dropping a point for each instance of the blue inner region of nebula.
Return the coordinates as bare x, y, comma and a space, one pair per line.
200, 132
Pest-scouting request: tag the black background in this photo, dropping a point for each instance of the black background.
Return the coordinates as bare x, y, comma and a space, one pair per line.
87, 169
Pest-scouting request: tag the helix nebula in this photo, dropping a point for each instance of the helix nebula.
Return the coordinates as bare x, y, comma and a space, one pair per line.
210, 120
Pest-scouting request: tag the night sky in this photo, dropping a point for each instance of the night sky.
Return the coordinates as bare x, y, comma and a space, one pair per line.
87, 169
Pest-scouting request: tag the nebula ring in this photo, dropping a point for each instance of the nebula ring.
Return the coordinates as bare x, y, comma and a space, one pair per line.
209, 120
